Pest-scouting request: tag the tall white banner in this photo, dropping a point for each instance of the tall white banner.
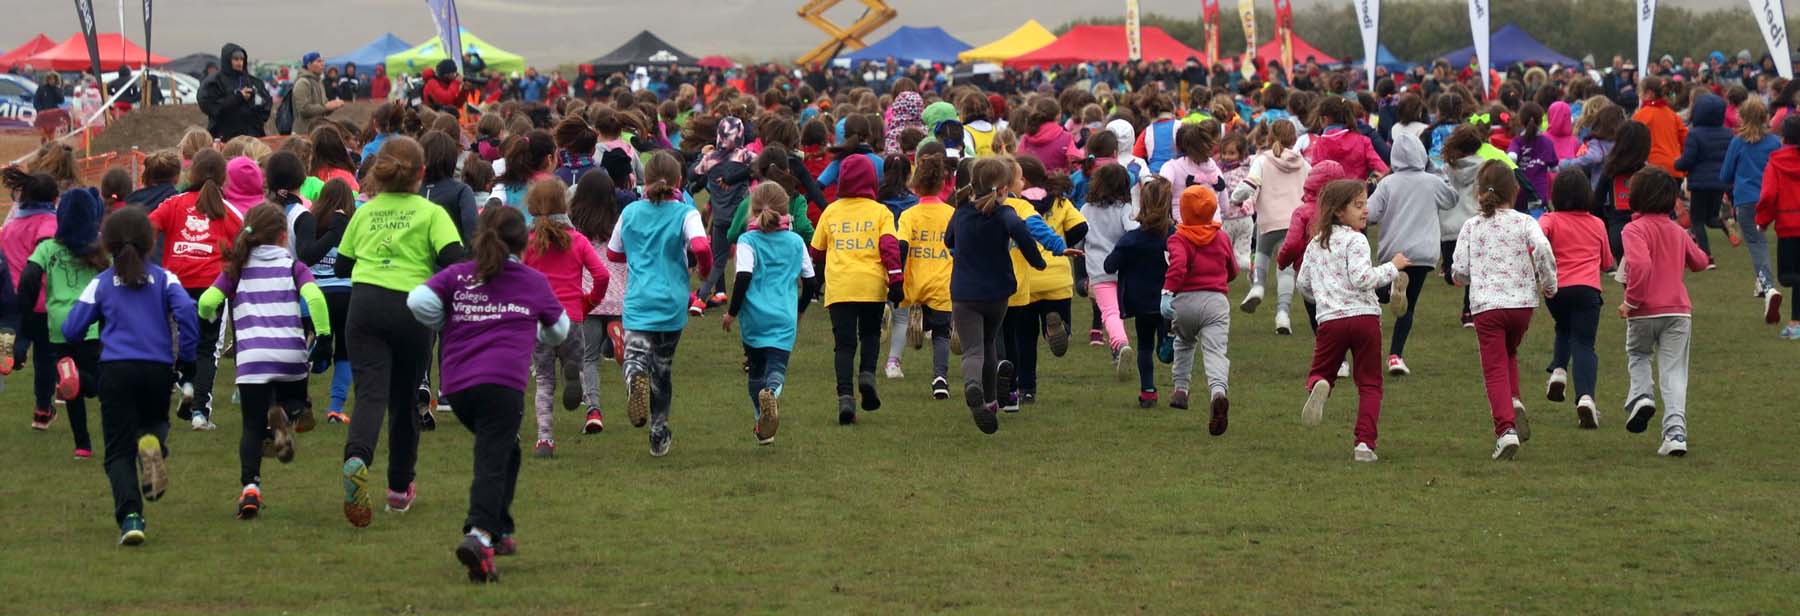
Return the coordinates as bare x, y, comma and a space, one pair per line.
1771, 18
1133, 39
1646, 20
1368, 19
1478, 27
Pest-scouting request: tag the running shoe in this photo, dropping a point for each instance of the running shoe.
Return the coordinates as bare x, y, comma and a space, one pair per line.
506, 545
151, 463
846, 410
955, 342
6, 352
84, 454
1314, 410
1397, 366
1003, 384
131, 532
893, 369
940, 388
1221, 414
249, 503
768, 421
865, 386
1124, 363
201, 422
1056, 332
915, 328
359, 505
1772, 307
68, 379
637, 400
1363, 453
1673, 446
545, 448
1520, 424
401, 502
1165, 350
1147, 399
1556, 389
1791, 332
1587, 416
1397, 294
596, 422
660, 441
1283, 325
615, 332
283, 434
1642, 409
303, 421
1096, 338
571, 393
337, 417
1733, 233
479, 558
1506, 446
1179, 399
42, 418
696, 307
1252, 299
425, 406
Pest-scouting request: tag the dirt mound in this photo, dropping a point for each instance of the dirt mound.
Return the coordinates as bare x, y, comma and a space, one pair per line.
161, 127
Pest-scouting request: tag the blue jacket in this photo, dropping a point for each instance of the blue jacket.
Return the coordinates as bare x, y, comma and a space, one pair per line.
1707, 142
1139, 260
135, 321
1743, 167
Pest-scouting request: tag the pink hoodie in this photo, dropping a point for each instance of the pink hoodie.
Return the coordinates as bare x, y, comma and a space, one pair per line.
243, 184
1656, 249
564, 269
1050, 144
1561, 131
1178, 170
20, 237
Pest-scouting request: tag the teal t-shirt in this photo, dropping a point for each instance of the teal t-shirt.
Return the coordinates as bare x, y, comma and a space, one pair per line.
771, 311
653, 238
65, 277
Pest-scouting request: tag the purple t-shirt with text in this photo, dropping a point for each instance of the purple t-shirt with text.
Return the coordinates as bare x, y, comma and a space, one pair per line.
490, 328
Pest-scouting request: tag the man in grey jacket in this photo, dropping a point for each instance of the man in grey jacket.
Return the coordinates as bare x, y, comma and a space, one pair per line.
1407, 204
310, 102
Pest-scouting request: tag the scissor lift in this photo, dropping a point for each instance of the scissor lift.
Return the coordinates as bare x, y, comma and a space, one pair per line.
877, 15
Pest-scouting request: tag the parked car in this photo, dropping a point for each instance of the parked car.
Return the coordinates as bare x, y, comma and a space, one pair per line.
16, 111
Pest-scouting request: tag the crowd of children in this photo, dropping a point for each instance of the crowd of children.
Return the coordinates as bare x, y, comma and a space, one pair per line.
510, 255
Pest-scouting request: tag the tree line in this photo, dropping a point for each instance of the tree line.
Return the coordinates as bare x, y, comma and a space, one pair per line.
1420, 30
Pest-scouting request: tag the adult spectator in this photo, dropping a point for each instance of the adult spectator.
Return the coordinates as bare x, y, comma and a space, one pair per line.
235, 102
49, 93
379, 85
443, 92
349, 87
532, 86
310, 100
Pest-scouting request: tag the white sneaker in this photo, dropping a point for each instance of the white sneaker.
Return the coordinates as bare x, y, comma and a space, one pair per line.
1314, 410
1772, 307
1642, 410
1675, 446
1397, 366
1252, 300
1397, 294
1506, 446
203, 423
1520, 425
1124, 363
1558, 385
1282, 325
893, 369
1344, 369
1363, 453
1586, 414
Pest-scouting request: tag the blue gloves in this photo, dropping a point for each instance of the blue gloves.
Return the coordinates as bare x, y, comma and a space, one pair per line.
1167, 307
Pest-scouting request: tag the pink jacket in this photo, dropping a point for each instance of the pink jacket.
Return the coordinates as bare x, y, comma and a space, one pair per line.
1050, 145
1656, 249
1578, 239
20, 237
1179, 169
1200, 268
564, 269
1350, 149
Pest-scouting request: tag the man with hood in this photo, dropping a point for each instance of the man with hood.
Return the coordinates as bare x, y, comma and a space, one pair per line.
443, 92
235, 102
309, 96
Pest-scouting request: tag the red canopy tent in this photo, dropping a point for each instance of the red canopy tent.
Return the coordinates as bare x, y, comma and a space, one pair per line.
72, 54
1302, 49
1104, 44
17, 56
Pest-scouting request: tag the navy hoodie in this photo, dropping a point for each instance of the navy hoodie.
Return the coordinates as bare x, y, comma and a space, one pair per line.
1707, 142
981, 269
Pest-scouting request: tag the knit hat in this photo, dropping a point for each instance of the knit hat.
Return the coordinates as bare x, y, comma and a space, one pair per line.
243, 184
617, 164
307, 59
78, 221
1198, 206
446, 67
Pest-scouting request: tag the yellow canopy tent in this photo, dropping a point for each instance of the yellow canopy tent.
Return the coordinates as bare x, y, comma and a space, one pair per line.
1026, 39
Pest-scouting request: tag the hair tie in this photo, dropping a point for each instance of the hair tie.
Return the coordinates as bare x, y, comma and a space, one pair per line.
1480, 118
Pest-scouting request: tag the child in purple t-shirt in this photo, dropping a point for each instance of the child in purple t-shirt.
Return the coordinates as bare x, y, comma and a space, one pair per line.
493, 312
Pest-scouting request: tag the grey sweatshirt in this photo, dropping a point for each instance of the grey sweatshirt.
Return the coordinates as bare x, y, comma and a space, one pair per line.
1106, 224
1461, 176
1406, 205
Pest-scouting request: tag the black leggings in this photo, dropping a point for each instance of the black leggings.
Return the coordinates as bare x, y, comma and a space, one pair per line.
1150, 330
338, 302
1023, 327
1703, 211
1787, 270
256, 399
854, 324
492, 413
34, 331
134, 401
1448, 249
388, 355
206, 358
1415, 283
87, 361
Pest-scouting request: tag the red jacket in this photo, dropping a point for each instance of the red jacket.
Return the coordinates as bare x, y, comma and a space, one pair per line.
440, 93
1200, 268
1780, 201
1350, 149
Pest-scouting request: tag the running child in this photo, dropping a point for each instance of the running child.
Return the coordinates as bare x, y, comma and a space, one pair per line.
1503, 257
1745, 161
1139, 260
33, 220
1658, 315
1201, 268
1407, 204
567, 259
332, 211
594, 211
1110, 215
197, 229
981, 280
654, 239
1277, 178
1578, 239
492, 312
135, 301
265, 286
862, 260
928, 261
770, 259
1046, 312
60, 268
1338, 276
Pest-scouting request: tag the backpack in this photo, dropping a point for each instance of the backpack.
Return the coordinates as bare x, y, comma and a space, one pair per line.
284, 114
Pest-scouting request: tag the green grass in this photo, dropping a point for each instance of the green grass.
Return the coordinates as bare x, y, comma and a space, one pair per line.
1082, 503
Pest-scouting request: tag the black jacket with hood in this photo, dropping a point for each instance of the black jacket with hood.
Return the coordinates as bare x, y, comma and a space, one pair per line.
228, 113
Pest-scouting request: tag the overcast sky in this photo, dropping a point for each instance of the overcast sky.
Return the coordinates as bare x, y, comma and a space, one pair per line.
546, 32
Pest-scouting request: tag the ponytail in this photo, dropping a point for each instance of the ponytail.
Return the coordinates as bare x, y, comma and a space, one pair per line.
263, 225
126, 235
549, 205
664, 175
211, 202
500, 234
1496, 187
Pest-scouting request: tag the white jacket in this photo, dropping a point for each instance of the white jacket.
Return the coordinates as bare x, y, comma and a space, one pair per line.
1340, 278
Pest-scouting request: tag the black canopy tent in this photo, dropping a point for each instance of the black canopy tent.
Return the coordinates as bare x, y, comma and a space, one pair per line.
645, 49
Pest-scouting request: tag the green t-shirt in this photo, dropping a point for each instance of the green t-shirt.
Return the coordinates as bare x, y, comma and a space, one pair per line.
311, 188
741, 219
395, 239
65, 277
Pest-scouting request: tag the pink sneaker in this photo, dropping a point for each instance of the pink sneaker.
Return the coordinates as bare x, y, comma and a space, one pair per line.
400, 502
83, 454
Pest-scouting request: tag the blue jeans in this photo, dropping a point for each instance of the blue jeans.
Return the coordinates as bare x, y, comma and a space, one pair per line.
1757, 243
768, 370
340, 384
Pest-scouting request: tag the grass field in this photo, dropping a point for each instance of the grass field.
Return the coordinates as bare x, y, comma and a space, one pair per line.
1081, 504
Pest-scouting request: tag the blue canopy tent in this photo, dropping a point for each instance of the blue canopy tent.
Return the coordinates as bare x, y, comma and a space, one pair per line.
1385, 58
372, 54
912, 45
1511, 45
